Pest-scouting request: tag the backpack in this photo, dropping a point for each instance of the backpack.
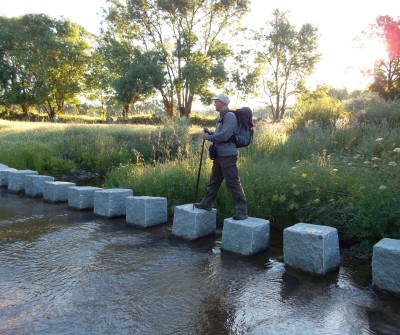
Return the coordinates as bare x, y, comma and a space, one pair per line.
244, 133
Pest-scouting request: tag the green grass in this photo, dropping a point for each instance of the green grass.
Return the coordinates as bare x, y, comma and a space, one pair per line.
344, 173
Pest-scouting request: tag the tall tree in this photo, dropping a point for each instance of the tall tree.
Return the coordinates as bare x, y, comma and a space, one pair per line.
42, 61
187, 34
142, 78
20, 40
64, 57
285, 57
386, 72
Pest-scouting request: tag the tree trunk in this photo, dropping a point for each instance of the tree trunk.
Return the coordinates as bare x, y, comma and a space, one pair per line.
168, 106
25, 109
188, 107
50, 111
60, 107
125, 113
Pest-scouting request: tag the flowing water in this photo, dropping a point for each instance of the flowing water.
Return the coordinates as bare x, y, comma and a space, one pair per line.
69, 272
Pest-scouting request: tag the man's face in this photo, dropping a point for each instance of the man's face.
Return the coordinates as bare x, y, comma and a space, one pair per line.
219, 105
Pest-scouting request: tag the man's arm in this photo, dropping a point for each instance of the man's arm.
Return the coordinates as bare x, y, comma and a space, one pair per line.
229, 126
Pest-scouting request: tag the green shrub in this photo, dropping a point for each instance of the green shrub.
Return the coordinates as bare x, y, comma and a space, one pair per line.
322, 112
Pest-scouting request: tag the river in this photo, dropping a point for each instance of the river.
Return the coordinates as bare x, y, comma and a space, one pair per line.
69, 272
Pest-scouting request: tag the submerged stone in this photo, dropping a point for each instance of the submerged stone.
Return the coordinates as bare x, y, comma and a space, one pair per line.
192, 223
312, 248
146, 211
386, 265
245, 237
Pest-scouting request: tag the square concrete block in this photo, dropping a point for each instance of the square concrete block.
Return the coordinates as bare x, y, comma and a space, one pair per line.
112, 202
34, 185
56, 191
82, 197
311, 248
146, 211
386, 265
192, 223
245, 237
16, 180
4, 176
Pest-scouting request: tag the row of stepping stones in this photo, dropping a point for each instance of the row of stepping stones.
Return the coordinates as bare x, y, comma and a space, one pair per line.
312, 248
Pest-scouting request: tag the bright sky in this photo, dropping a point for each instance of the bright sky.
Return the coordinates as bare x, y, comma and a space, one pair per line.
338, 22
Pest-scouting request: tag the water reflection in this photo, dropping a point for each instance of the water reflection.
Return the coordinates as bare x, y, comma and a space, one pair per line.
69, 272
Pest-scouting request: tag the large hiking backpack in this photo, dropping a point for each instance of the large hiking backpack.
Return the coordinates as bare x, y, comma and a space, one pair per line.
244, 133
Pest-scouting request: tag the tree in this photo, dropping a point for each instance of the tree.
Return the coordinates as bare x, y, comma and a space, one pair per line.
185, 33
42, 61
98, 81
285, 57
64, 60
19, 68
386, 72
142, 78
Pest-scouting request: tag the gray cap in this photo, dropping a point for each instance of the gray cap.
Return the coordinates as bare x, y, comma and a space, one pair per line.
222, 97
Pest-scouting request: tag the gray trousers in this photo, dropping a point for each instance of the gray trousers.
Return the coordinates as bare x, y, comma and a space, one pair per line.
225, 167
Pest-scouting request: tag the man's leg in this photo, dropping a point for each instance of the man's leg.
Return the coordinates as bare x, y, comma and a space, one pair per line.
231, 174
216, 179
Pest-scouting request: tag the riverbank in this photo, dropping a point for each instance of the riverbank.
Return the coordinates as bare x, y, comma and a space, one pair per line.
345, 175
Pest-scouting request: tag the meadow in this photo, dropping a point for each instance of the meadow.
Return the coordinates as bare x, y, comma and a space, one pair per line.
339, 169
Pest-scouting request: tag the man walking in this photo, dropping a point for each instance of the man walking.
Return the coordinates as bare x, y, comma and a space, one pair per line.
225, 164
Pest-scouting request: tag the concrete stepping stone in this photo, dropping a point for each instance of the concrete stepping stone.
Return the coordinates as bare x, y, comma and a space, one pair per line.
82, 197
145, 211
34, 185
192, 223
386, 265
4, 176
111, 203
245, 237
56, 191
16, 180
312, 248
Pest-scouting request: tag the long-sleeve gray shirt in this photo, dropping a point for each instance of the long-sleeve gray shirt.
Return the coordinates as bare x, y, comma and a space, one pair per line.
226, 126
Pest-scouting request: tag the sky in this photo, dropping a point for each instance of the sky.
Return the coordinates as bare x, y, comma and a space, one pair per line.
339, 22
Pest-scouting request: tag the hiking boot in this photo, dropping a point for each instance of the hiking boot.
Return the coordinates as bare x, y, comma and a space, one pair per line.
239, 216
200, 206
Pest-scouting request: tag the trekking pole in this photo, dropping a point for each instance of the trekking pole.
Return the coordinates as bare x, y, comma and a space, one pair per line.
198, 175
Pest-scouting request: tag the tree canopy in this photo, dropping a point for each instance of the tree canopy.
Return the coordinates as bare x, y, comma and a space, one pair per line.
386, 72
284, 58
187, 35
42, 61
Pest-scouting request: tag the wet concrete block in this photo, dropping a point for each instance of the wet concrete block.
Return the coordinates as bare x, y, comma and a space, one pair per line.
34, 185
56, 191
16, 180
111, 203
4, 176
245, 237
312, 248
386, 265
82, 197
192, 223
146, 211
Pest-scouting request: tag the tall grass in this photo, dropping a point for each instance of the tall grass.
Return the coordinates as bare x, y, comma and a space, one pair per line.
342, 172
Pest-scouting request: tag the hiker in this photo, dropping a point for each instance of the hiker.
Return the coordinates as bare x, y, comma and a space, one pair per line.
225, 162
